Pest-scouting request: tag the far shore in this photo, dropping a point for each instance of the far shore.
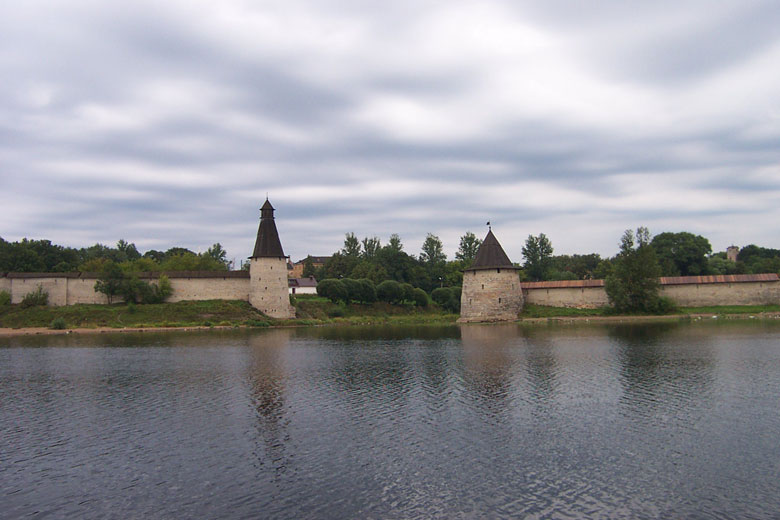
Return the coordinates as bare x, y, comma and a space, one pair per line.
45, 331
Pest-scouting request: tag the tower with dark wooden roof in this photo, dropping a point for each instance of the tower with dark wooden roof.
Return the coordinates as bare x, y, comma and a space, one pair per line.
491, 288
268, 269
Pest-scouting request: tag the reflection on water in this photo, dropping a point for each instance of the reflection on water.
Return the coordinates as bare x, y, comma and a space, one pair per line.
652, 420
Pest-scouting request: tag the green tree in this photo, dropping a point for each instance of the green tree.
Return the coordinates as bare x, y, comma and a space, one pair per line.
367, 290
681, 254
432, 250
128, 250
467, 250
351, 246
395, 243
537, 252
308, 267
217, 253
370, 247
389, 291
633, 285
332, 289
110, 281
420, 297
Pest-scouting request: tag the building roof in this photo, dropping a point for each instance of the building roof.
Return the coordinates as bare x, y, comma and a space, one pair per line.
491, 255
314, 259
302, 282
267, 243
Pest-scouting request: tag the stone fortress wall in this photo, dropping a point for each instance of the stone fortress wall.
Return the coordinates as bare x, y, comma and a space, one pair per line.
685, 291
73, 288
691, 291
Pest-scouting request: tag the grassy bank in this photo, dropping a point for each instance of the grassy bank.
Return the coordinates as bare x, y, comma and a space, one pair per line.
233, 313
311, 310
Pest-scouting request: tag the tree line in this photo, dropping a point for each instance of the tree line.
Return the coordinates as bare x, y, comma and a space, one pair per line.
43, 256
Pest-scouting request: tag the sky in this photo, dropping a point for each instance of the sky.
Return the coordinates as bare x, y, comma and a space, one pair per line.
168, 123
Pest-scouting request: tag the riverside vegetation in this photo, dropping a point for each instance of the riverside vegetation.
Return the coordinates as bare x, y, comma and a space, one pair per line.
311, 310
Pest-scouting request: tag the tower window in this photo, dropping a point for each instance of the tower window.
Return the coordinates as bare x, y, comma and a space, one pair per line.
498, 270
499, 300
483, 285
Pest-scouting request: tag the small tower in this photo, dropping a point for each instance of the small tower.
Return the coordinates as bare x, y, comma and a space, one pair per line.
491, 288
731, 253
268, 290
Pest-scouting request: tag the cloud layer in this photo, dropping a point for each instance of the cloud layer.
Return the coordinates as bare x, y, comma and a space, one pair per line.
167, 124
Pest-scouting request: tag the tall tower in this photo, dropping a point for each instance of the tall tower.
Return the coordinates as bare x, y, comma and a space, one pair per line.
268, 270
491, 288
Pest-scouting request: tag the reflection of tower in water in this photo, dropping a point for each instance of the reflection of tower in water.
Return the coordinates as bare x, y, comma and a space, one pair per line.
266, 377
489, 364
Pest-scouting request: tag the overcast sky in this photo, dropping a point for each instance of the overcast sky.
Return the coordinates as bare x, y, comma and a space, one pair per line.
167, 123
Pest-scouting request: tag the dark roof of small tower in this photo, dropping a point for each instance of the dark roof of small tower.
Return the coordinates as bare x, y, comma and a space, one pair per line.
491, 255
267, 243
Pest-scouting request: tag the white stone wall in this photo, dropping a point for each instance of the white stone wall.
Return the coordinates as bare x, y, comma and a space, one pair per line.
216, 288
268, 287
490, 295
708, 294
577, 297
57, 287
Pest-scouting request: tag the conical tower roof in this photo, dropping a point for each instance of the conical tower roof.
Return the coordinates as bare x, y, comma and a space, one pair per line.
491, 255
267, 243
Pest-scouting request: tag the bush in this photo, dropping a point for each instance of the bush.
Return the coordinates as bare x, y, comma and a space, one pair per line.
441, 295
367, 291
332, 289
58, 324
408, 291
5, 298
354, 290
420, 297
447, 298
35, 298
131, 308
389, 291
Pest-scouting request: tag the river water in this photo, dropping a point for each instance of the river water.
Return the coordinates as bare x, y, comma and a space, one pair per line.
636, 421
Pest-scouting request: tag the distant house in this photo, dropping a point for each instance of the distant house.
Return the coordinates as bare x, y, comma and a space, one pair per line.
297, 267
302, 285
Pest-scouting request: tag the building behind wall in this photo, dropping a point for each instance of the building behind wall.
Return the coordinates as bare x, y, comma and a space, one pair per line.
268, 290
491, 288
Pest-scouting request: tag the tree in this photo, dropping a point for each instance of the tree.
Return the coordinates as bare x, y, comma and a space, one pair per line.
351, 246
681, 254
128, 250
308, 267
332, 289
367, 290
395, 243
370, 247
218, 254
389, 291
432, 250
633, 284
420, 297
537, 253
467, 251
110, 282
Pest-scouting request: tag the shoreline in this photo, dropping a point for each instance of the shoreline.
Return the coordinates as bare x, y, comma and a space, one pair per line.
562, 320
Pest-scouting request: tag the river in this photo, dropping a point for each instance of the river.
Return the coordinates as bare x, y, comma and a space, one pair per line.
664, 420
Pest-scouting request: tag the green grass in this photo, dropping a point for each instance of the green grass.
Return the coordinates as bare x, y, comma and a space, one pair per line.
543, 311
731, 309
180, 314
323, 311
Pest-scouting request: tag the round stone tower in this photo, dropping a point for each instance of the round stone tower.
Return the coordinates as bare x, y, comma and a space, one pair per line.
268, 290
491, 288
